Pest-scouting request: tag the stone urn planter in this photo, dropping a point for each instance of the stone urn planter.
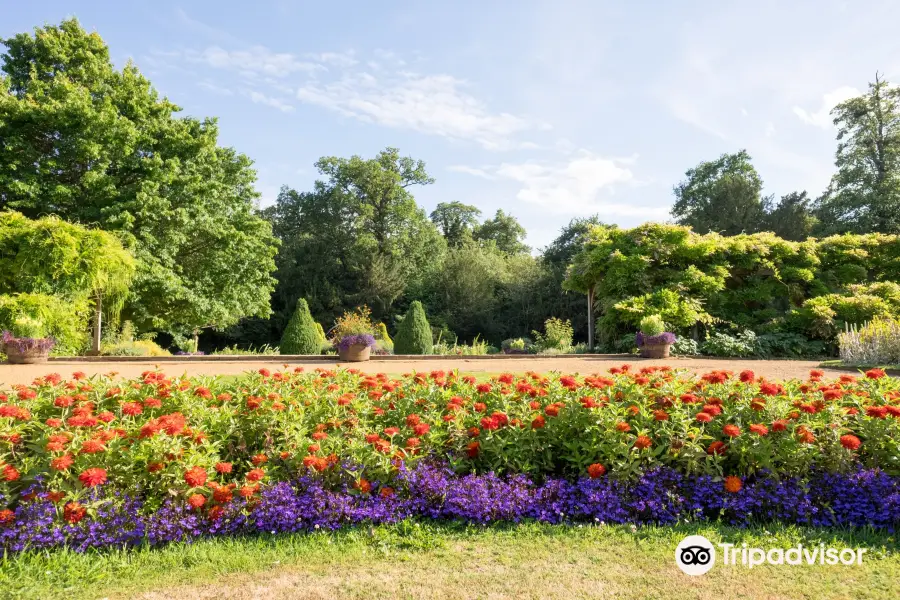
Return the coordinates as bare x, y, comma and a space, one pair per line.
355, 353
655, 346
26, 351
356, 348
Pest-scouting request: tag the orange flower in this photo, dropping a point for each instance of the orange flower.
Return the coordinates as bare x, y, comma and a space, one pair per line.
195, 476
642, 442
596, 470
93, 477
733, 484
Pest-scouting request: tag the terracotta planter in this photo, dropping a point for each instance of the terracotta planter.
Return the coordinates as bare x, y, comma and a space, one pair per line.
355, 353
29, 357
655, 350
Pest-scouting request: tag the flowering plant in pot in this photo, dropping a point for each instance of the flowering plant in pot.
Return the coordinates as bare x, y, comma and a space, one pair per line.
653, 340
356, 347
26, 344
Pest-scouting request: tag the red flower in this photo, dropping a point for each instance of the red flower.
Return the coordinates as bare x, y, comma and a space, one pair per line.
261, 459
92, 447
472, 449
480, 407
642, 442
412, 420
386, 492
660, 415
73, 512
256, 475
132, 409
771, 389
877, 412
731, 430
538, 422
391, 431
197, 500
371, 438
623, 426
875, 373
364, 486
747, 376
10, 473
759, 429
779, 425
733, 484
421, 429
596, 470
484, 388
93, 477
6, 516
223, 467
703, 417
805, 435
62, 463
195, 476
489, 423
717, 447
850, 442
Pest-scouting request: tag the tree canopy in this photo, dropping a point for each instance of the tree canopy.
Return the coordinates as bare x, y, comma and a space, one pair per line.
98, 146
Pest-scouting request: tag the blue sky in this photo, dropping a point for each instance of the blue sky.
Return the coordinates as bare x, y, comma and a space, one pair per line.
546, 109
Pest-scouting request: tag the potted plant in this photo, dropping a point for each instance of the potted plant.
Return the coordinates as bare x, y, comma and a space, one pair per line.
356, 347
26, 344
653, 340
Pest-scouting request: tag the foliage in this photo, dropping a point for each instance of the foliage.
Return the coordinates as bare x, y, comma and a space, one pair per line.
558, 336
722, 344
476, 348
63, 320
652, 325
301, 336
685, 346
516, 345
125, 343
414, 333
864, 195
183, 204
504, 231
456, 222
252, 351
824, 316
787, 344
875, 343
723, 195
793, 218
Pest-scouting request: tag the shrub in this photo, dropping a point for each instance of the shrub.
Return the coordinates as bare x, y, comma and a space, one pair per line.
786, 344
722, 344
384, 343
300, 336
64, 321
875, 343
652, 325
476, 348
124, 343
516, 345
558, 335
414, 333
264, 350
685, 346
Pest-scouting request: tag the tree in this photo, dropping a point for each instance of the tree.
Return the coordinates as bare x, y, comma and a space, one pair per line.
505, 231
358, 238
723, 195
98, 146
76, 264
301, 335
414, 334
456, 221
792, 219
864, 195
587, 270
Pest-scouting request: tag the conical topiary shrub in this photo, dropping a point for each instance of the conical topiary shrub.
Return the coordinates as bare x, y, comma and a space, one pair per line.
301, 335
414, 333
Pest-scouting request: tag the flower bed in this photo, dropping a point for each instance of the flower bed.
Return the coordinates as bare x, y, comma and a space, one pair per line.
96, 462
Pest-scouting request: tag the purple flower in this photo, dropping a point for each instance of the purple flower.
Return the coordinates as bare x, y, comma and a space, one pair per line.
25, 344
663, 338
364, 339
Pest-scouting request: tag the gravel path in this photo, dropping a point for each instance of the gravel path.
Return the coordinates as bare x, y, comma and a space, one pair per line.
772, 369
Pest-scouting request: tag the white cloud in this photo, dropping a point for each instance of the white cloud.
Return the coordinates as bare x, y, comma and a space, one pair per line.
257, 60
215, 89
260, 98
822, 117
338, 59
580, 185
432, 104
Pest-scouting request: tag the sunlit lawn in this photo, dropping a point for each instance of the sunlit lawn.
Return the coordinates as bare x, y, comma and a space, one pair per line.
427, 560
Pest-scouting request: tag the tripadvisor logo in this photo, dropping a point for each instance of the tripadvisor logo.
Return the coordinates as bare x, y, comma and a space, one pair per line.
696, 555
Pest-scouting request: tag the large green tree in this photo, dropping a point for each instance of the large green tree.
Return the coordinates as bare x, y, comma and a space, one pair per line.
456, 221
505, 231
96, 145
357, 238
792, 218
864, 195
722, 195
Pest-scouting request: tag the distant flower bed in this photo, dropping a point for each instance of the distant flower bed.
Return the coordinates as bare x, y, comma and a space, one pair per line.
26, 344
96, 462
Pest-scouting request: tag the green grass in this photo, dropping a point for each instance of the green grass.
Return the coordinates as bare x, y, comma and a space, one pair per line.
419, 560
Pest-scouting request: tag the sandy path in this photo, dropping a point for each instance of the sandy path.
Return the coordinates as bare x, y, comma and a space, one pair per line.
776, 369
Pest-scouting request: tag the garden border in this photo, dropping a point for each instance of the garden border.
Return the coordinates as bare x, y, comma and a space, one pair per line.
280, 358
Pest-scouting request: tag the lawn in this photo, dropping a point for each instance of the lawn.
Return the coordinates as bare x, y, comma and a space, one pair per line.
444, 560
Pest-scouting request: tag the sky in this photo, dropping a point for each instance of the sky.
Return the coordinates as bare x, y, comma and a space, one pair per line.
548, 110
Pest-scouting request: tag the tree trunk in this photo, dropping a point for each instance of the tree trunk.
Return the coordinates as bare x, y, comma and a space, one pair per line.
98, 324
590, 323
